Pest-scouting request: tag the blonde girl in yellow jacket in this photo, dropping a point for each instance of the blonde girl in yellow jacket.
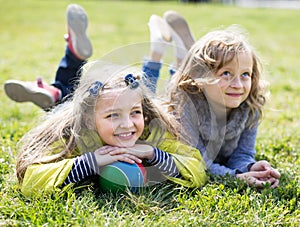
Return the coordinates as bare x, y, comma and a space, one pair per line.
112, 116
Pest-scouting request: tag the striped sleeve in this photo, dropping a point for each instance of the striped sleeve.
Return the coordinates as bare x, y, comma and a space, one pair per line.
164, 162
84, 166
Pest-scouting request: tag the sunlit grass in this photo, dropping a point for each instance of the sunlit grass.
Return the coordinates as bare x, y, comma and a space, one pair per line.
31, 37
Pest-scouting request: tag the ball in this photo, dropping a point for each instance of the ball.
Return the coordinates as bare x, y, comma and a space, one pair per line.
119, 176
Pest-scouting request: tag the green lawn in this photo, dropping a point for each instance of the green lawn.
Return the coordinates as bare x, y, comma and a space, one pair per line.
31, 45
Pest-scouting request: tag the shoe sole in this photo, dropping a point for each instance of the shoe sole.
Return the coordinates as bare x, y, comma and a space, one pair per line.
180, 26
19, 92
77, 24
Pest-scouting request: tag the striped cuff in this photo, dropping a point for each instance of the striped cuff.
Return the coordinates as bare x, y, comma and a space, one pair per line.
164, 162
84, 166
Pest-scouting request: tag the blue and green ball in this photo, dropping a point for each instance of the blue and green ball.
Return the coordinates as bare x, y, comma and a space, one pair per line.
119, 176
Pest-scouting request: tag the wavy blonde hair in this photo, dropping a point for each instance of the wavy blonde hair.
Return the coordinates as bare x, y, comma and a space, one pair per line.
69, 130
207, 56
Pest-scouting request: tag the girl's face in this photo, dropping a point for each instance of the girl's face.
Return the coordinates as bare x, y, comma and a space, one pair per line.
119, 117
234, 83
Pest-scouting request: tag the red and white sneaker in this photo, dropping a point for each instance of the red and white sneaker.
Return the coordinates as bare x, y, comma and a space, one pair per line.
78, 41
41, 94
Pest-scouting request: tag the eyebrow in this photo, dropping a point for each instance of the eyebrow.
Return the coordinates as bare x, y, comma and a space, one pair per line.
224, 69
137, 106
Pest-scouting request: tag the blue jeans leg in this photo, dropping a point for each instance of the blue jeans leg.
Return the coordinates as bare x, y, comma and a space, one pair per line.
68, 73
151, 70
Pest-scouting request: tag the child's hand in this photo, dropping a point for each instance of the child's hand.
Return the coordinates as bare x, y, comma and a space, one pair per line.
103, 156
141, 151
264, 165
259, 178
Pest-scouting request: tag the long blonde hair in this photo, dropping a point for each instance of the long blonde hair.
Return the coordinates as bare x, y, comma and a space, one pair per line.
69, 129
207, 56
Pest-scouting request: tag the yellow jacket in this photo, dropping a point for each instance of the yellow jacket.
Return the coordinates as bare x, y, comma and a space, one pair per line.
49, 177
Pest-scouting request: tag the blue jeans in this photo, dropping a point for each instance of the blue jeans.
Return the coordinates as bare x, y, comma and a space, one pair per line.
152, 72
68, 73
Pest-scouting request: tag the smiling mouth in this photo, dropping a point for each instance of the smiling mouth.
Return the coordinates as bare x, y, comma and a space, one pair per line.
234, 94
125, 135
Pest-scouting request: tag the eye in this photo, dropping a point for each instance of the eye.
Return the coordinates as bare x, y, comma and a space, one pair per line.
136, 112
226, 74
246, 75
112, 115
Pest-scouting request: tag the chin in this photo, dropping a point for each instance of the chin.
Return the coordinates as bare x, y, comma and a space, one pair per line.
233, 105
126, 144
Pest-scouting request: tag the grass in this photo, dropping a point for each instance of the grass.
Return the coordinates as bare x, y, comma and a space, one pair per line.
31, 37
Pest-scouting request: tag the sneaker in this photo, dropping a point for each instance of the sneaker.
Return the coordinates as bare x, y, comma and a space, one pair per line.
180, 29
78, 41
41, 94
160, 34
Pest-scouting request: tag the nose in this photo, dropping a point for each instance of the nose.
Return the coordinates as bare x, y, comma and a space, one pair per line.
126, 122
236, 82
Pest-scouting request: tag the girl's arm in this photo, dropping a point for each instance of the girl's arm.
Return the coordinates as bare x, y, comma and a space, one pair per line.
241, 159
242, 163
84, 167
153, 156
164, 163
188, 160
48, 177
88, 164
40, 178
243, 156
